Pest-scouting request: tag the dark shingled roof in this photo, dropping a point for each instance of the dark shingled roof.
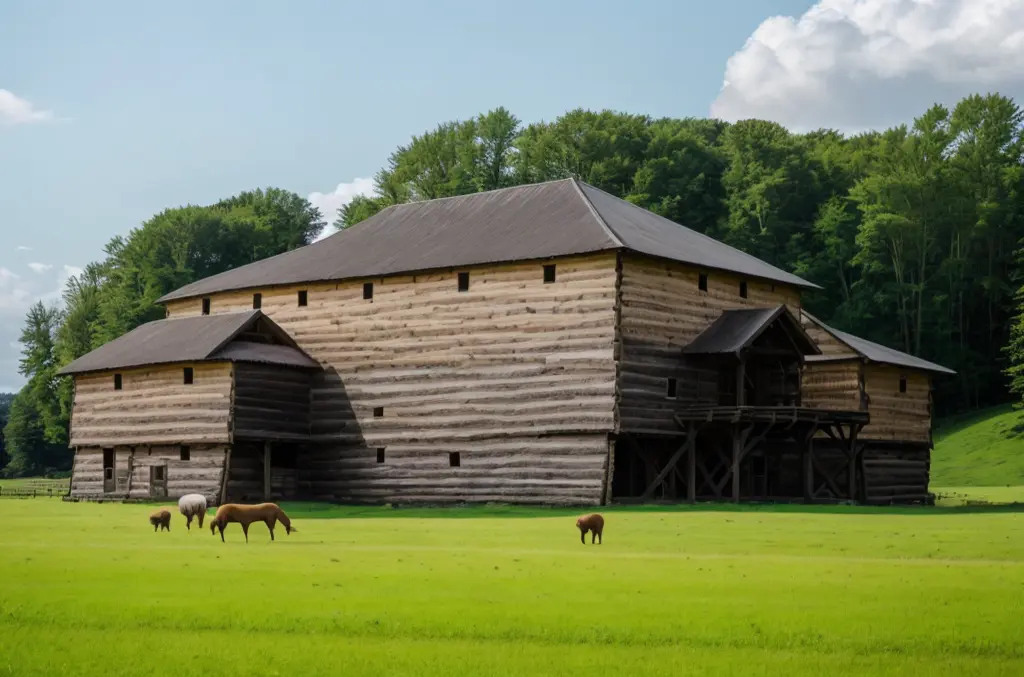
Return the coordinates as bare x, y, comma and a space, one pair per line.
875, 352
191, 339
735, 330
558, 218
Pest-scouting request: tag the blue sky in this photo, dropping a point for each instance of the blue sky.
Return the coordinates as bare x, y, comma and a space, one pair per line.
112, 111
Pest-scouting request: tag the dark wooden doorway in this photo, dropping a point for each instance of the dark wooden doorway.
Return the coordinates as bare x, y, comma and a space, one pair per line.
158, 481
109, 478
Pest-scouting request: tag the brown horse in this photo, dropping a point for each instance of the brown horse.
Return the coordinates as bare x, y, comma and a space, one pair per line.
593, 523
268, 513
161, 519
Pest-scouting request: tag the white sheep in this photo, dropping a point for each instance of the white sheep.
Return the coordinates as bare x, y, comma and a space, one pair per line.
192, 505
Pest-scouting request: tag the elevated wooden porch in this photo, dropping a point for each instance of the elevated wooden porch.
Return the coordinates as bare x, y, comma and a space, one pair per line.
755, 453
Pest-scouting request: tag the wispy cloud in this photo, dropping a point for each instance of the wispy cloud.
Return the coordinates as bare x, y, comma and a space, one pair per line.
17, 111
330, 203
17, 293
23, 248
40, 267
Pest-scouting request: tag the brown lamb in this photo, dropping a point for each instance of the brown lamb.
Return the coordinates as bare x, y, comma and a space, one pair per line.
161, 519
593, 523
268, 513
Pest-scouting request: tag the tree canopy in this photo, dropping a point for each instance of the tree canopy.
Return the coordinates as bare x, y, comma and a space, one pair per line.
913, 232
115, 295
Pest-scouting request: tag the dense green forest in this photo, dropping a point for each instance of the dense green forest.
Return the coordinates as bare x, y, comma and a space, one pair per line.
913, 232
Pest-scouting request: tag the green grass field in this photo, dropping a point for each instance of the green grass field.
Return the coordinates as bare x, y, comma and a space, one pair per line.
982, 449
89, 589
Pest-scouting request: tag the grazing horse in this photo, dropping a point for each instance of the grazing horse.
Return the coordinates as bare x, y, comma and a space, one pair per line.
593, 523
161, 519
268, 513
192, 505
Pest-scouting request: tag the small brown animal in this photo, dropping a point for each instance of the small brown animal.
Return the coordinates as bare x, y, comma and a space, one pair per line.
593, 523
268, 513
161, 518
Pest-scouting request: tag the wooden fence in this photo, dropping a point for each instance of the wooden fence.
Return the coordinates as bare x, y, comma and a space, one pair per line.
35, 489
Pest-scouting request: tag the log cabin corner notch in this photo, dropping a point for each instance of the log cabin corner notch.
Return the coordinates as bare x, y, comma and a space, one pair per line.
195, 392
522, 345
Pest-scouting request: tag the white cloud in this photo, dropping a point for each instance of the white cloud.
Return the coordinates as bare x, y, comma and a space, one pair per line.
330, 203
859, 64
23, 248
40, 267
16, 111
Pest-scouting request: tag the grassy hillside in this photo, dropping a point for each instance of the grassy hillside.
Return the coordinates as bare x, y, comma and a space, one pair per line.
980, 450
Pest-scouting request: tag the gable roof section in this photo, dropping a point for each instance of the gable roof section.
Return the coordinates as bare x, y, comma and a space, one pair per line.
874, 352
736, 330
538, 221
192, 339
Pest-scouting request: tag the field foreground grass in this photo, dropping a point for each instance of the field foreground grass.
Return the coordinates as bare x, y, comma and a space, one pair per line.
89, 589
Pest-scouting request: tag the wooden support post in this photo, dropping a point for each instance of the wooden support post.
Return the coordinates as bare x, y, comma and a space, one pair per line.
737, 454
266, 471
807, 451
222, 497
691, 464
855, 495
741, 382
666, 470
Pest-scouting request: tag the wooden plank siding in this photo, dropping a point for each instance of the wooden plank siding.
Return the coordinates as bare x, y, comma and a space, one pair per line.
154, 406
896, 416
201, 473
270, 402
662, 311
508, 362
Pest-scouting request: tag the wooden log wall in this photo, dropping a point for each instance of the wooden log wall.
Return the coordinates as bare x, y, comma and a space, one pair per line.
271, 402
245, 476
896, 416
896, 473
560, 469
201, 473
87, 476
154, 406
504, 363
832, 385
662, 311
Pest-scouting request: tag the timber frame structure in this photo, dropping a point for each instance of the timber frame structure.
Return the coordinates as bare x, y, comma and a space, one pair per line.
541, 344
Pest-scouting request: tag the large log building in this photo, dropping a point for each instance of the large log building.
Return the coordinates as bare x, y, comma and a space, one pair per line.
538, 344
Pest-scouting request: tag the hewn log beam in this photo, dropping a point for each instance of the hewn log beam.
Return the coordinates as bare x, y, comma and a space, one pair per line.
668, 467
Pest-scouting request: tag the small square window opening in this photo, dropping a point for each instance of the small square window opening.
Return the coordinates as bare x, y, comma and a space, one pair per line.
743, 289
117, 381
185, 453
206, 306
549, 273
672, 388
303, 297
188, 375
257, 301
378, 412
463, 281
367, 290
380, 454
454, 459
903, 384
702, 281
